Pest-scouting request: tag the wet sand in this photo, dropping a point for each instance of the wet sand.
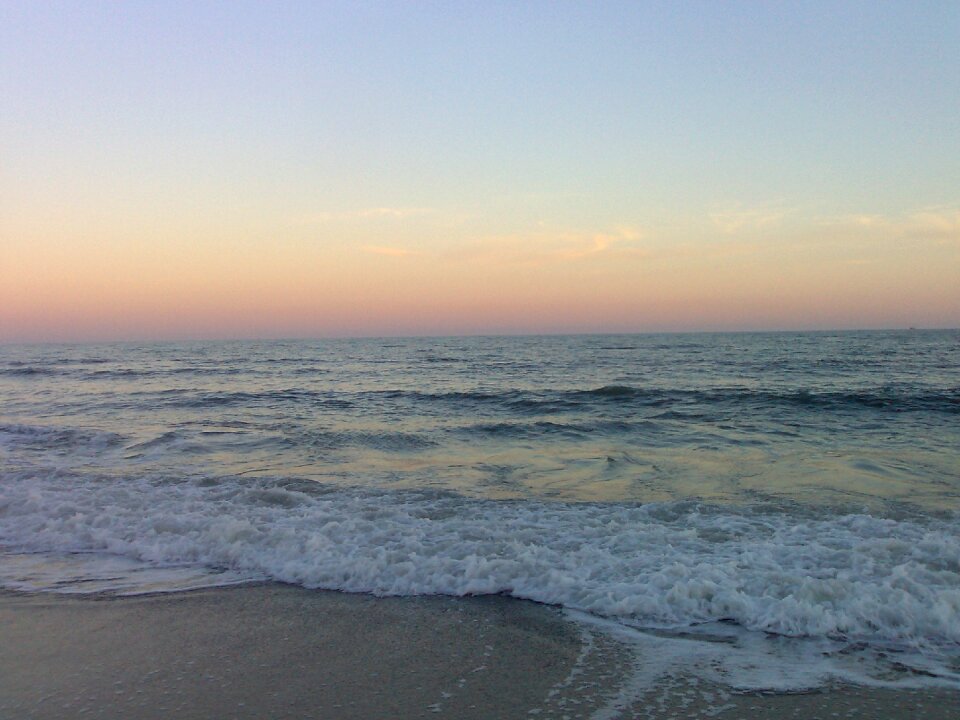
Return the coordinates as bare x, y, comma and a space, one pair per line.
274, 651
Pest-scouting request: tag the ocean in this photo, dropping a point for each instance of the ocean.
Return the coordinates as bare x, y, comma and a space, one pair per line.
772, 511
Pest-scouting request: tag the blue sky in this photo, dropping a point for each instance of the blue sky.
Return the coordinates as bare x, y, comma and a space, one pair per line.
228, 122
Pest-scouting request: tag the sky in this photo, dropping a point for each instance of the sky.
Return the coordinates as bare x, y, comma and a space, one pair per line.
179, 170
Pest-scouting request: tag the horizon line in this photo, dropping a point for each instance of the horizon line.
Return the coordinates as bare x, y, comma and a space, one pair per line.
453, 336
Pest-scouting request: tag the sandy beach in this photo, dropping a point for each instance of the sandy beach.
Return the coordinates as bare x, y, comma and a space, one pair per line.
284, 652
524, 360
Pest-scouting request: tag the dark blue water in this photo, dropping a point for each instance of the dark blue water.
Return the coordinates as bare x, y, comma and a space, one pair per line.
804, 485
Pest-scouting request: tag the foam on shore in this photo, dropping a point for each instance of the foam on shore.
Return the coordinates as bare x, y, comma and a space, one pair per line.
823, 585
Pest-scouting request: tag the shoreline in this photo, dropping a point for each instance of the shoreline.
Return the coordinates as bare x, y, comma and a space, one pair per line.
280, 651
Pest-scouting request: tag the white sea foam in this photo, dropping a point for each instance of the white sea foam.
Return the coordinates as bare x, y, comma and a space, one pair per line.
882, 583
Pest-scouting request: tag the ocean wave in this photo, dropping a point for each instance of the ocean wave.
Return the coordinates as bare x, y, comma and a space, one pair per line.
190, 399
125, 373
27, 371
885, 399
894, 399
521, 429
616, 391
664, 565
56, 438
384, 440
523, 401
61, 361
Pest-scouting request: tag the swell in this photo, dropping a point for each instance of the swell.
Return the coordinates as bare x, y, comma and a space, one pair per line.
46, 437
227, 437
123, 373
882, 398
27, 371
604, 399
69, 370
189, 399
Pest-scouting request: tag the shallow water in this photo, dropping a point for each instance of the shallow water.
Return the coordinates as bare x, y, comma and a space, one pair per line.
752, 487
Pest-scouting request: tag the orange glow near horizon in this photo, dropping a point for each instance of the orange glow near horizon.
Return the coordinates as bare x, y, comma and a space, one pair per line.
310, 283
206, 170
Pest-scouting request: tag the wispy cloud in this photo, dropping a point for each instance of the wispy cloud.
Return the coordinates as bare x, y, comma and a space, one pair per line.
388, 250
544, 246
600, 243
739, 219
941, 223
390, 213
393, 212
317, 218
